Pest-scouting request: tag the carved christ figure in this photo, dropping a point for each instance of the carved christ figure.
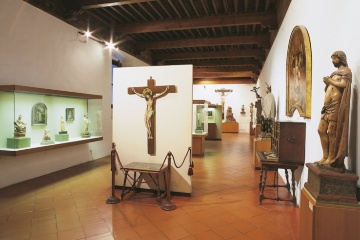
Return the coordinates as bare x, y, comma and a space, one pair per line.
149, 112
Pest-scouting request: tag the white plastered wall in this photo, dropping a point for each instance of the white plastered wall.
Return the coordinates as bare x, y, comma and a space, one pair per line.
332, 25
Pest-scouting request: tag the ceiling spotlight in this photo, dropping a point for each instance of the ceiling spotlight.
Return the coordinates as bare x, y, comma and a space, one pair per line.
87, 34
110, 45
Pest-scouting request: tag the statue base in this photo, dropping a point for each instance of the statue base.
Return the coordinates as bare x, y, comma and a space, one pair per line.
199, 130
63, 132
330, 186
18, 142
47, 142
85, 134
61, 137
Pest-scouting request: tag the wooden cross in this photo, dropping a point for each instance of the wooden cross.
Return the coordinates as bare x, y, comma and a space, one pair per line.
223, 93
150, 93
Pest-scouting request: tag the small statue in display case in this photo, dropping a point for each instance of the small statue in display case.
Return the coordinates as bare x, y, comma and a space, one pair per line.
20, 127
46, 139
62, 126
85, 133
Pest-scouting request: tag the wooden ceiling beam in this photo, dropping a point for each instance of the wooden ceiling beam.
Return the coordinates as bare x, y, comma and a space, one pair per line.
257, 53
224, 63
223, 81
89, 4
227, 69
223, 74
266, 19
262, 40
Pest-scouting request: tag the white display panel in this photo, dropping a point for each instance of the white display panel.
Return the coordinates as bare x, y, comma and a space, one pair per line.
173, 119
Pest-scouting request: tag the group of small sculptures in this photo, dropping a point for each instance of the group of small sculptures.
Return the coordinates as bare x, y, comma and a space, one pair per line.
20, 129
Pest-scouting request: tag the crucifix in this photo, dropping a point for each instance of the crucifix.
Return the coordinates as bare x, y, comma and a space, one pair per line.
150, 93
223, 93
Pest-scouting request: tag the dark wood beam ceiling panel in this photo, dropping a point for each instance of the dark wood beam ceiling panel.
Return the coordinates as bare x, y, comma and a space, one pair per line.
203, 22
225, 40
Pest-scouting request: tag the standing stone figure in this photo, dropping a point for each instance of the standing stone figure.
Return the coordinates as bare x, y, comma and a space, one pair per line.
268, 104
334, 123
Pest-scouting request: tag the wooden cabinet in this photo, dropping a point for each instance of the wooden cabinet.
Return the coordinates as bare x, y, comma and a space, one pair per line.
326, 220
288, 141
260, 145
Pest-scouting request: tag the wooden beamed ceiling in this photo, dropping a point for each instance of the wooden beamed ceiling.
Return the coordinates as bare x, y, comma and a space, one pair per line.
227, 41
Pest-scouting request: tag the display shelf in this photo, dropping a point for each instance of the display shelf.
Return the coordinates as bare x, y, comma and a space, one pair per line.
40, 148
38, 119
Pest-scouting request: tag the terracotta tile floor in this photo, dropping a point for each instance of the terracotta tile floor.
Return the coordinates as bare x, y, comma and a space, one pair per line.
70, 204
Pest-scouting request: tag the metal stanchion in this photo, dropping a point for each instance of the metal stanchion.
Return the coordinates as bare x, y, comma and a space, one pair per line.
168, 205
113, 199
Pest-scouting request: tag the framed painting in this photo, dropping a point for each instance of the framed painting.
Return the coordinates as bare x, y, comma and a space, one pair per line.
70, 114
39, 114
299, 73
211, 113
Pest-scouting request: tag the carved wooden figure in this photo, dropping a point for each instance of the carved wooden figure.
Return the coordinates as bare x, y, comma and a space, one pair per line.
150, 93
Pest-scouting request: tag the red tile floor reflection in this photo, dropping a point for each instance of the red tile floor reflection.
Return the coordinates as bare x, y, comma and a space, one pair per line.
70, 204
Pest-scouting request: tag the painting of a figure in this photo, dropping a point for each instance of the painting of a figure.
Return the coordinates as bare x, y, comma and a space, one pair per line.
39, 114
70, 114
298, 73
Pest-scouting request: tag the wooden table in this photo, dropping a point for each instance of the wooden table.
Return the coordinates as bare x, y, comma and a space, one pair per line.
143, 168
269, 161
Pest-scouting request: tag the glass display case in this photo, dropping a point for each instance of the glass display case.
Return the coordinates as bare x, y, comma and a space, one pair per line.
36, 119
200, 116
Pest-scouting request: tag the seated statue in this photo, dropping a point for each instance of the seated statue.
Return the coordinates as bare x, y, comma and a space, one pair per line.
20, 127
230, 115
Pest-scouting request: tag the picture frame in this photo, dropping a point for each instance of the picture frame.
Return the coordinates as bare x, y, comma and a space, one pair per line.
211, 113
39, 114
70, 114
299, 73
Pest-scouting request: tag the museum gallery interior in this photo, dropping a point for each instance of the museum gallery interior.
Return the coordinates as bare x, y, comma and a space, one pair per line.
179, 119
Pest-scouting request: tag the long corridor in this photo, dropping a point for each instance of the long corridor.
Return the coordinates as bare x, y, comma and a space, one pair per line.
70, 204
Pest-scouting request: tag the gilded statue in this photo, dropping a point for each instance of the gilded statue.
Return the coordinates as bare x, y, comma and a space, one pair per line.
334, 123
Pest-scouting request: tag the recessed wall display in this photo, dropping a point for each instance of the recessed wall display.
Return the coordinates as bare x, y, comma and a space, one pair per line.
39, 114
70, 114
298, 73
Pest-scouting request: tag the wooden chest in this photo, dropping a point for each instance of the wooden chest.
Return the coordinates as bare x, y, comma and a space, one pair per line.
288, 141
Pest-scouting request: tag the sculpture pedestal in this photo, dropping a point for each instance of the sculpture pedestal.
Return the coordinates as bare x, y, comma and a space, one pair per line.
20, 142
61, 137
47, 142
85, 134
329, 186
230, 127
252, 129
